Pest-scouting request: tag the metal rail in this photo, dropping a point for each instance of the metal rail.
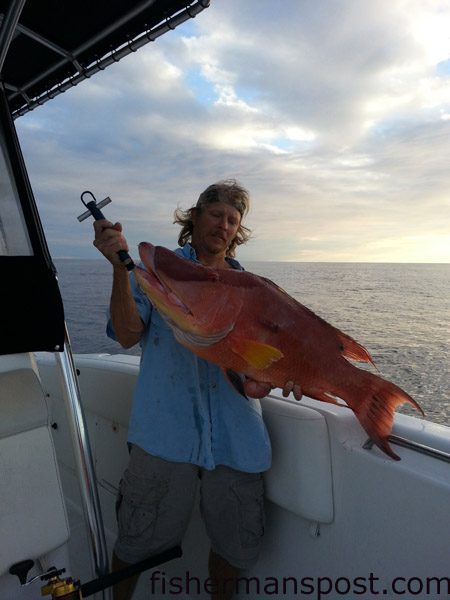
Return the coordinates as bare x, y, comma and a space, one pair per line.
421, 448
132, 46
84, 464
8, 28
415, 446
85, 46
50, 45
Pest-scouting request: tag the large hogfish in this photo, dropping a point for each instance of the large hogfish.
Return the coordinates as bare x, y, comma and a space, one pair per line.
246, 324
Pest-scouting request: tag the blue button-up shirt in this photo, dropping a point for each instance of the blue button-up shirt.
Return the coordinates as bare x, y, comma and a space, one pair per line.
184, 408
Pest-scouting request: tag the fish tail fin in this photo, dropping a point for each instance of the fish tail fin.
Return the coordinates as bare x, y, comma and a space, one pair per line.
351, 349
375, 409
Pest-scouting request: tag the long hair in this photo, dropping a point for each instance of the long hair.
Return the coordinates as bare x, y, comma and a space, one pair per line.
228, 191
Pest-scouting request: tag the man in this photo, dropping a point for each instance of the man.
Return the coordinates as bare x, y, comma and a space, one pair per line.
188, 424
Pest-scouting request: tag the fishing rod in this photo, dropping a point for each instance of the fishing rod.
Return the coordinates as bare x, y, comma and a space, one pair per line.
70, 589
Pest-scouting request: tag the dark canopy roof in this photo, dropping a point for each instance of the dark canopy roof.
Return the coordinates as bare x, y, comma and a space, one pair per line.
57, 43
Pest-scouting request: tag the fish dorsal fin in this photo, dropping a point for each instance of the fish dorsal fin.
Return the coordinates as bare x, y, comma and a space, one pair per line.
351, 349
257, 354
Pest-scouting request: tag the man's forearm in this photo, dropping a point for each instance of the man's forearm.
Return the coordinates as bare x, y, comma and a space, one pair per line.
125, 317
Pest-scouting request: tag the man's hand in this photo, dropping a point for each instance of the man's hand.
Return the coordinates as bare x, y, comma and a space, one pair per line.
259, 389
295, 388
109, 240
256, 389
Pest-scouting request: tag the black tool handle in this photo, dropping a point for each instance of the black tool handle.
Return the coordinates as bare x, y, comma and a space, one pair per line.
123, 254
106, 581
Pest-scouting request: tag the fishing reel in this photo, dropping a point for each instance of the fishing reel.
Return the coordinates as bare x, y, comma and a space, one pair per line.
60, 589
57, 588
68, 589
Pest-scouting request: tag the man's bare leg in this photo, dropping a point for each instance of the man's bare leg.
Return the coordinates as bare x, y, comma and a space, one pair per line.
223, 575
125, 588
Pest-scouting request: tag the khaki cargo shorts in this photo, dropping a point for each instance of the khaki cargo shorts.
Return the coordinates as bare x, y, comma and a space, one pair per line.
155, 502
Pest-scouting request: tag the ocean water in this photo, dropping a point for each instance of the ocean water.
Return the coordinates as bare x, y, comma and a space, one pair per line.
399, 312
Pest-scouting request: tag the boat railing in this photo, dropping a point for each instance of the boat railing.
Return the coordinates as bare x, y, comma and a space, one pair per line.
415, 446
84, 462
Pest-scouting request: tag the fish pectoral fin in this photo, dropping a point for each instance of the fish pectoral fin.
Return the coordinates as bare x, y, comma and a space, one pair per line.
256, 354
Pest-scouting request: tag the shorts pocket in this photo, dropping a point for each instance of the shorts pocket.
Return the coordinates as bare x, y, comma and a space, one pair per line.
250, 498
137, 508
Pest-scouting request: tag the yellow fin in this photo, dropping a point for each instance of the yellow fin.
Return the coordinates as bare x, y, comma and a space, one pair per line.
256, 354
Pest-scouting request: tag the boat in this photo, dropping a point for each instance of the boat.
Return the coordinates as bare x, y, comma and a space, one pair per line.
343, 519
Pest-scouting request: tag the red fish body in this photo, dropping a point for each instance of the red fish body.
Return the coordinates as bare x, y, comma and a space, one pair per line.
247, 324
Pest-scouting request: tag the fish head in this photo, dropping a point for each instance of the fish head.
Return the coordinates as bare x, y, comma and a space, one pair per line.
193, 298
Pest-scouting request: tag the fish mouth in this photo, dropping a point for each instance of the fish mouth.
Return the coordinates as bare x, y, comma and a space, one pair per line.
149, 278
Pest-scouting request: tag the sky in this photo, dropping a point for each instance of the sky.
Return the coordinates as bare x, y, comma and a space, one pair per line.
334, 114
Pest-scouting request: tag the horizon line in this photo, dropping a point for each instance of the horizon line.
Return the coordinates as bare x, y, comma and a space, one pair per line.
353, 262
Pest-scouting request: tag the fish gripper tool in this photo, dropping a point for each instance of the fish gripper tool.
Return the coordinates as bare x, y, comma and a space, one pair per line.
93, 209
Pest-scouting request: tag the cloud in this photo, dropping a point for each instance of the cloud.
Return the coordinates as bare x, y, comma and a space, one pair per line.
335, 115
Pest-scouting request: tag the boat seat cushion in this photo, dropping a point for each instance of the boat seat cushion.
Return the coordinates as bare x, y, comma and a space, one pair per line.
33, 519
300, 479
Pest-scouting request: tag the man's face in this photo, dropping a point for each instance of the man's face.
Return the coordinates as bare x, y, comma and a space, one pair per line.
215, 227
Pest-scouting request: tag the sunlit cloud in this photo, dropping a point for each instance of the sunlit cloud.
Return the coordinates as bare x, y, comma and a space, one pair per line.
335, 117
